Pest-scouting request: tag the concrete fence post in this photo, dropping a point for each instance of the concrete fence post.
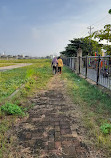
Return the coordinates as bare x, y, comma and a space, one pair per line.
79, 61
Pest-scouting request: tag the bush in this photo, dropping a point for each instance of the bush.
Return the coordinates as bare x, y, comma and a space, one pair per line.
12, 109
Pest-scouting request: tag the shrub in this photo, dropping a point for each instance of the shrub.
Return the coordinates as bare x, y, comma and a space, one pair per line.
12, 109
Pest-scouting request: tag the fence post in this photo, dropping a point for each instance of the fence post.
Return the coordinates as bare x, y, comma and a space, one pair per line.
67, 61
79, 57
98, 70
86, 66
71, 63
79, 64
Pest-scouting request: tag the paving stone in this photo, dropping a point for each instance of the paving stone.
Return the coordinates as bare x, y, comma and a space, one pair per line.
57, 128
57, 134
40, 144
65, 126
65, 131
51, 145
57, 123
64, 122
58, 144
69, 150
67, 143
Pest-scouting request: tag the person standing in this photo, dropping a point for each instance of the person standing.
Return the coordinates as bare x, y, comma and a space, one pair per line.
60, 65
54, 65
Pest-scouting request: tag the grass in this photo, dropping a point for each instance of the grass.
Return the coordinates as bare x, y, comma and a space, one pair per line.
12, 79
24, 61
95, 106
5, 124
34, 78
6, 64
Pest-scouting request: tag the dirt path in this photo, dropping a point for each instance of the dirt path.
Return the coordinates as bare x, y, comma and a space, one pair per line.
53, 128
14, 66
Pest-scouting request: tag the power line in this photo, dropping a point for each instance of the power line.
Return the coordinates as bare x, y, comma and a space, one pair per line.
99, 20
97, 25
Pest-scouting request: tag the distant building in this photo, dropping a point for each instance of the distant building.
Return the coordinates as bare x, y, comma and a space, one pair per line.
52, 56
20, 57
27, 57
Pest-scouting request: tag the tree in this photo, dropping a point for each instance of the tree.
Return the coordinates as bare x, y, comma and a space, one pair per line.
108, 49
87, 45
91, 46
109, 11
104, 34
71, 49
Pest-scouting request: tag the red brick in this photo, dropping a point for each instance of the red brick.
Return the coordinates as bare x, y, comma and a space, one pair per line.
57, 145
65, 131
67, 143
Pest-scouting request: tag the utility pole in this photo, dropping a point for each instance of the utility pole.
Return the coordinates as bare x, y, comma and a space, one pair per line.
90, 33
90, 29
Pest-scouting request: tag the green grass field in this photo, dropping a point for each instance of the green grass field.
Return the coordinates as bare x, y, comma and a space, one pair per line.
23, 61
12, 79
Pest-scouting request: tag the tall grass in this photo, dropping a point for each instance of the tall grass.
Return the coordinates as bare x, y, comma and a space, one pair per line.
90, 94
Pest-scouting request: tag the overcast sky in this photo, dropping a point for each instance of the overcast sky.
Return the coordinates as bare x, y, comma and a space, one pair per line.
44, 27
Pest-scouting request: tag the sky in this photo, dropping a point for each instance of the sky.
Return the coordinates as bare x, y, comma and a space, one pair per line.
44, 27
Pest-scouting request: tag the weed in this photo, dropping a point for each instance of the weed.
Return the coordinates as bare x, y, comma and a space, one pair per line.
106, 128
12, 109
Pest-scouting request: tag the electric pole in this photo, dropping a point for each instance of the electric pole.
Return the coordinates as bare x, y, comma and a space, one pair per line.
90, 30
90, 33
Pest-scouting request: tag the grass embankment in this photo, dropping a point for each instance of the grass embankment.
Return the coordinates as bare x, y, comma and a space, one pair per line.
95, 106
34, 78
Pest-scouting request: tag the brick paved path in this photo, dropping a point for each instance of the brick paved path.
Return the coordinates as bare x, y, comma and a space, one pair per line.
49, 132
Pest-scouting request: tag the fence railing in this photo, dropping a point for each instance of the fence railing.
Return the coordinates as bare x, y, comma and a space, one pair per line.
96, 68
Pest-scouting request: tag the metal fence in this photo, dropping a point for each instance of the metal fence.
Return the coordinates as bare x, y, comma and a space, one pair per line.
96, 68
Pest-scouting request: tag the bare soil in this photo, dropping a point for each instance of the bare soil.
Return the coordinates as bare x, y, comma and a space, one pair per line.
54, 128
